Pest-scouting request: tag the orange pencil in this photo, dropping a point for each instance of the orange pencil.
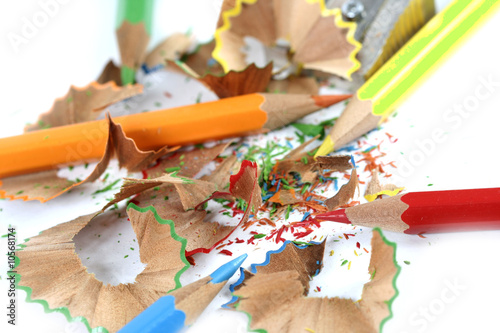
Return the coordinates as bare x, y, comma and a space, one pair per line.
55, 147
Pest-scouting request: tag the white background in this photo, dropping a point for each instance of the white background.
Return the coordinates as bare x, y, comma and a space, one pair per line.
78, 40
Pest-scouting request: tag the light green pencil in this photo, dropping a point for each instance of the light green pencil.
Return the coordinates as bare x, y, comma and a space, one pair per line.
133, 30
387, 88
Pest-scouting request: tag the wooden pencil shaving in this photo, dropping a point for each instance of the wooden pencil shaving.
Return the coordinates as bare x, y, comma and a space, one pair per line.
229, 166
334, 163
110, 72
306, 261
187, 163
174, 201
54, 272
298, 161
318, 38
46, 185
345, 194
172, 48
252, 79
276, 302
201, 60
294, 85
83, 104
374, 189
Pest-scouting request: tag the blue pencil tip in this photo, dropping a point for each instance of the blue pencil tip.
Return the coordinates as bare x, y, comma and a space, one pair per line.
224, 272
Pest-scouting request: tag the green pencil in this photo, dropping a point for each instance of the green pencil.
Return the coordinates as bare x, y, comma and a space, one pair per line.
133, 30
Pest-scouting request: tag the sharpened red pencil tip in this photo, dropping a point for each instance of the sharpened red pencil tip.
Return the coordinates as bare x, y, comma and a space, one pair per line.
335, 216
326, 100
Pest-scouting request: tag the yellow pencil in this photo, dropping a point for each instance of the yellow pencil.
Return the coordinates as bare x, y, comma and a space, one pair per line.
386, 89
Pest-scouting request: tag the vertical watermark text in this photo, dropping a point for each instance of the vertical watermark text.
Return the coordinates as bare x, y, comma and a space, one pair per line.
11, 276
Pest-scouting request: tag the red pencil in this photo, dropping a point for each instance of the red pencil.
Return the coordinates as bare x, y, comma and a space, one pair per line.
426, 212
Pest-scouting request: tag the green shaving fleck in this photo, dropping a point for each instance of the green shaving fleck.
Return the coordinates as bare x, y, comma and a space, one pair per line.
288, 210
406, 262
259, 236
107, 188
170, 170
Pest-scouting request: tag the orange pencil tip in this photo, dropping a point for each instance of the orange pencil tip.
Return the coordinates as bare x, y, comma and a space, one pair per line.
326, 100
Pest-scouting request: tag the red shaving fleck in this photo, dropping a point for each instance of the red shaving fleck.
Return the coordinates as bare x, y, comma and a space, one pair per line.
358, 245
221, 246
302, 234
318, 289
347, 236
391, 138
307, 223
248, 224
190, 259
278, 235
421, 235
226, 252
350, 204
239, 240
167, 94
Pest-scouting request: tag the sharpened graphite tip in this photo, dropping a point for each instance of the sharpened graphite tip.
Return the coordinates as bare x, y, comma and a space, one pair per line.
224, 272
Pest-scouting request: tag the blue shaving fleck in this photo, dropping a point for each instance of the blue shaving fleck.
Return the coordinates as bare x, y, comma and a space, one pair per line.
369, 149
211, 62
306, 215
153, 69
347, 149
267, 196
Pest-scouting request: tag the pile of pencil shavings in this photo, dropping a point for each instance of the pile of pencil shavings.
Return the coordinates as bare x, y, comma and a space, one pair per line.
256, 186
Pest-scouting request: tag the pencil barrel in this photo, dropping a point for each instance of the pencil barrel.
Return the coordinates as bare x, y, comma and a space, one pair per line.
456, 210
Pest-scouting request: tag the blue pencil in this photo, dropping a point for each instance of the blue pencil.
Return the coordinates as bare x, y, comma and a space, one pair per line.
181, 307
